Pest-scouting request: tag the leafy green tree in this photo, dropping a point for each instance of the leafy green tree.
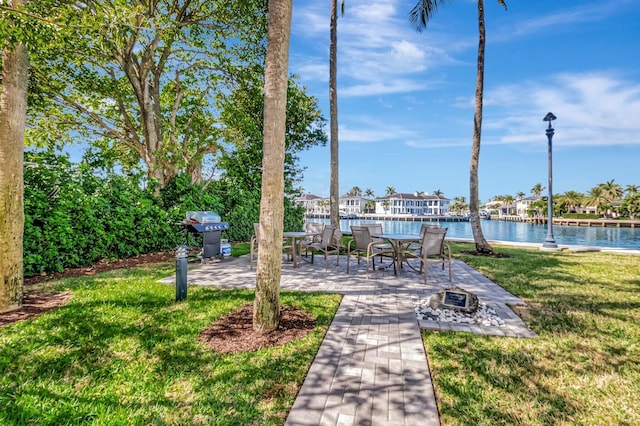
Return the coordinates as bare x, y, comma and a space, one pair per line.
419, 16
266, 308
240, 166
142, 79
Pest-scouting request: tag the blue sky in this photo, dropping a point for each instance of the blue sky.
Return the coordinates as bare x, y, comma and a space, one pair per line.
405, 99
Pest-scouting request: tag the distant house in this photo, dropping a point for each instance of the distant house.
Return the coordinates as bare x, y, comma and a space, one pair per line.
523, 206
412, 204
313, 204
352, 205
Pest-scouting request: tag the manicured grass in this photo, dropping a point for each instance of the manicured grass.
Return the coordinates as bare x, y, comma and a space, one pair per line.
584, 368
123, 352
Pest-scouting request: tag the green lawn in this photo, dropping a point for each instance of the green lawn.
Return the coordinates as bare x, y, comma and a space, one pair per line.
584, 368
123, 352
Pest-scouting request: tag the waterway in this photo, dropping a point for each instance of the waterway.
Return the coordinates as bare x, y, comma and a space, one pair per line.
605, 237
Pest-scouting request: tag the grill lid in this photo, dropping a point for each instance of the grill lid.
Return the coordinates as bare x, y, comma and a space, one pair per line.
203, 217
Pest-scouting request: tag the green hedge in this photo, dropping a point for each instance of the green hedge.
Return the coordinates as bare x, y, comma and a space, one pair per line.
581, 216
75, 216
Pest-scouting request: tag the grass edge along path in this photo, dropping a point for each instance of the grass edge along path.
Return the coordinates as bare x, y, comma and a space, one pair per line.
584, 367
123, 352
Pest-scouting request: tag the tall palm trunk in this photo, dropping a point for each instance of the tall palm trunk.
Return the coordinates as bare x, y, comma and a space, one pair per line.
13, 112
266, 309
334, 188
482, 246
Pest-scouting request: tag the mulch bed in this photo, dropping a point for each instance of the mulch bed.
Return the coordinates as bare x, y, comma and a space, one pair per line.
234, 332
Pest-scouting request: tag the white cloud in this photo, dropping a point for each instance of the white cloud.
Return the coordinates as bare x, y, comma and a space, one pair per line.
593, 109
378, 51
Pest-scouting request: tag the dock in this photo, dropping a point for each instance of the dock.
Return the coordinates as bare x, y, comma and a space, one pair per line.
400, 218
609, 223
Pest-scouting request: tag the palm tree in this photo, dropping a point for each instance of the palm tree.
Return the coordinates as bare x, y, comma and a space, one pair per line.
438, 193
370, 205
597, 197
385, 205
571, 199
537, 189
508, 200
520, 195
613, 190
632, 205
368, 192
334, 188
266, 307
419, 16
389, 191
632, 189
355, 191
13, 115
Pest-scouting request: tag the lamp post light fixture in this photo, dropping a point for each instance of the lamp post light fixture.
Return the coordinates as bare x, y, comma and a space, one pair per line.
550, 242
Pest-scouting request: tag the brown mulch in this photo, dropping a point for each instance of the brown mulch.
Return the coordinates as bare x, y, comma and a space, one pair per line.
34, 303
230, 334
234, 332
103, 265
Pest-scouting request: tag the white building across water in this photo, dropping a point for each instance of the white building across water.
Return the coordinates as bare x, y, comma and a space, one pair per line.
416, 204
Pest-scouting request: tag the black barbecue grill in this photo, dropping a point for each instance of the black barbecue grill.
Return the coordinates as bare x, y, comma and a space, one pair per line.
208, 225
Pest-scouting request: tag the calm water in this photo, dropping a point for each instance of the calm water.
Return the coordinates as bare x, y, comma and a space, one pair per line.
519, 232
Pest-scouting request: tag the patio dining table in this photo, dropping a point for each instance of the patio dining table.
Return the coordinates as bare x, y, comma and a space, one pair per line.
397, 242
294, 236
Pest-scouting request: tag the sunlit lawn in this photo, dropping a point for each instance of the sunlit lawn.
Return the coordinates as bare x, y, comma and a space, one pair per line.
584, 368
123, 352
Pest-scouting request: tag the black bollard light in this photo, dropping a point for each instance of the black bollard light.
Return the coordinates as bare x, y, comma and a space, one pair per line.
181, 273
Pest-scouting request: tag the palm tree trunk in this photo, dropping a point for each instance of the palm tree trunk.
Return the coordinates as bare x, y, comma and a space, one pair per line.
13, 112
482, 246
334, 187
266, 309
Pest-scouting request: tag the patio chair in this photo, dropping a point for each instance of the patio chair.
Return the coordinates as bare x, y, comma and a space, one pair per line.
415, 247
433, 250
363, 246
253, 244
326, 245
316, 228
376, 229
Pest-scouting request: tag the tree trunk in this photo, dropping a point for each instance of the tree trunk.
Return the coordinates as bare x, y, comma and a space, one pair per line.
482, 246
13, 111
334, 187
266, 309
